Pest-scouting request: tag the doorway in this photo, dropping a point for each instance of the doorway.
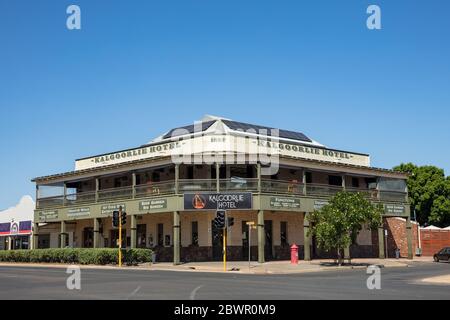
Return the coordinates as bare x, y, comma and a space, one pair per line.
268, 246
88, 237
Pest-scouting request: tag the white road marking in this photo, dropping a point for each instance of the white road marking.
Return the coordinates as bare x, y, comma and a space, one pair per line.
133, 293
194, 292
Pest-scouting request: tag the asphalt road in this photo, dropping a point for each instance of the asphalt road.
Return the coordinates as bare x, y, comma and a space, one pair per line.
50, 283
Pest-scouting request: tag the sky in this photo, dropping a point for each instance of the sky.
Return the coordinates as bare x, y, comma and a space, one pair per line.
139, 68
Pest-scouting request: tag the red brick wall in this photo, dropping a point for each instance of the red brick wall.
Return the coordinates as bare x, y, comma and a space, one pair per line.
396, 228
434, 240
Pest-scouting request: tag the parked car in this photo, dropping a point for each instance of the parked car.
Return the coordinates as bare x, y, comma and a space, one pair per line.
444, 255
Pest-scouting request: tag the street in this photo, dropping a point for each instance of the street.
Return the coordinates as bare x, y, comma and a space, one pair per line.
50, 283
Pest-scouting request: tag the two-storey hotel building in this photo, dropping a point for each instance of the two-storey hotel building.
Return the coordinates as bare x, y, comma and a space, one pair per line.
169, 189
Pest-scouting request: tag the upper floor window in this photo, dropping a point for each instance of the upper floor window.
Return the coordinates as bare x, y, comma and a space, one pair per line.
335, 180
308, 176
392, 184
355, 182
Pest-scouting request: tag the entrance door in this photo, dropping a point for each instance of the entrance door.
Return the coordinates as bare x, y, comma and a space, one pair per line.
141, 235
217, 243
268, 248
88, 237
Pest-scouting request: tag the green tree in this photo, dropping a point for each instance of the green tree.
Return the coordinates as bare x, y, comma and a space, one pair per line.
429, 193
337, 225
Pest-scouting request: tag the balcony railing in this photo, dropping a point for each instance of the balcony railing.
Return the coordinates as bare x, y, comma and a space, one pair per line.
210, 185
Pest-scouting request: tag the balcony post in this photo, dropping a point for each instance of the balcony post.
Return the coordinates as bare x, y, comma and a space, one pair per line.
133, 233
62, 235
133, 185
177, 178
217, 177
381, 250
96, 233
306, 237
65, 195
347, 248
97, 187
35, 243
409, 237
37, 196
304, 182
378, 190
176, 238
258, 173
261, 237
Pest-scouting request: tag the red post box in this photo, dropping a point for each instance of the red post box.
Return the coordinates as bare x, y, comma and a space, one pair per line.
294, 254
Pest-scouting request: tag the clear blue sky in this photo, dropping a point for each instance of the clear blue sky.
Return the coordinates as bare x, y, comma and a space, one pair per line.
139, 68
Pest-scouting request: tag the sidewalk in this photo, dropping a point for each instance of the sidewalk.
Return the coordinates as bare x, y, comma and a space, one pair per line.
242, 267
283, 267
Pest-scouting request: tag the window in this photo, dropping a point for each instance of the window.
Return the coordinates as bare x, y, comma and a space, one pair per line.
308, 176
194, 233
392, 184
335, 180
283, 233
355, 182
160, 234
43, 241
371, 183
190, 172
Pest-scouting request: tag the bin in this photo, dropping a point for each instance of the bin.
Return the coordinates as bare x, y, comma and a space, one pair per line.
397, 253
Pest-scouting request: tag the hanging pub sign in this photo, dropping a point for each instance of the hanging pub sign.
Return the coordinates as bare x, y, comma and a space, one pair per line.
218, 201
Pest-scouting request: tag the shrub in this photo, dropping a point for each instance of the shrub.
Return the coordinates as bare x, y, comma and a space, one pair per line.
74, 255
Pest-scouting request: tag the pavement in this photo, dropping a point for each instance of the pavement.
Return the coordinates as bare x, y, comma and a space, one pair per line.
48, 283
243, 267
278, 267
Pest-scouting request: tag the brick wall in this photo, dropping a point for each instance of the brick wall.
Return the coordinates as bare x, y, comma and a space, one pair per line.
396, 238
431, 240
434, 240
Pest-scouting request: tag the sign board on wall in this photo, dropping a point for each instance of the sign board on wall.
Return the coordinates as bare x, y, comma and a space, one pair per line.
394, 209
155, 204
109, 208
218, 201
15, 228
213, 143
284, 203
78, 212
319, 204
48, 215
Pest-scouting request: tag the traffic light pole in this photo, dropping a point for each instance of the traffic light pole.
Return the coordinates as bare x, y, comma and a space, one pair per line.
225, 244
120, 236
225, 249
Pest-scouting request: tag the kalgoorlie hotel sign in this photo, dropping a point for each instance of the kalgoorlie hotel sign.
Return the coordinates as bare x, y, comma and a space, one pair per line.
182, 150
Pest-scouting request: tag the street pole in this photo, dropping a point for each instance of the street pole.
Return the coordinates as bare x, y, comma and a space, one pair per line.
225, 249
120, 236
386, 242
250, 225
249, 245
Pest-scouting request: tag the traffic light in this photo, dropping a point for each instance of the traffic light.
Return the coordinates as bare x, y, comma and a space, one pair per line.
219, 221
124, 218
230, 222
115, 219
